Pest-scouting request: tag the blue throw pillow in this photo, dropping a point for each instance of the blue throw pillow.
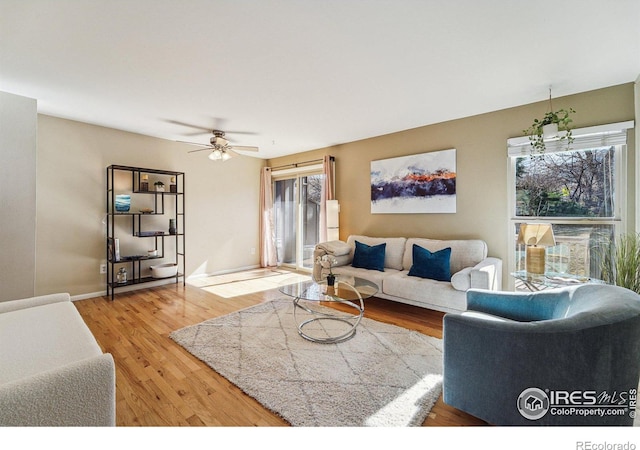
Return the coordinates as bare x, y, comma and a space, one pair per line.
435, 266
369, 256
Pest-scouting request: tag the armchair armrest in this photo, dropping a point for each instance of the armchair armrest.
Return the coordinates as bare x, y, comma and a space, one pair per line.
24, 303
79, 394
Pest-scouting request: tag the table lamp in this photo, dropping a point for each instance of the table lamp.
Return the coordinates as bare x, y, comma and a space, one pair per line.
536, 236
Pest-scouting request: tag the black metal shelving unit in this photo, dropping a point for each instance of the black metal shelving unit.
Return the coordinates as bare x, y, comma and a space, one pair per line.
160, 204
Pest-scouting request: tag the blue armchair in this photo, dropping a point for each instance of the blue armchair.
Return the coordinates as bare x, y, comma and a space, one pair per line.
567, 356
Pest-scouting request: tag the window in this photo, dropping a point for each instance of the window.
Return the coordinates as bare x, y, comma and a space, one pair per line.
580, 191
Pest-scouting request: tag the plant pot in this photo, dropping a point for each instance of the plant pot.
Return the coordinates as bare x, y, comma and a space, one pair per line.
331, 280
550, 130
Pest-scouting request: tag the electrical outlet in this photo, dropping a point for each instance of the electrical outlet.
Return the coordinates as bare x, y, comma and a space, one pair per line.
253, 250
103, 268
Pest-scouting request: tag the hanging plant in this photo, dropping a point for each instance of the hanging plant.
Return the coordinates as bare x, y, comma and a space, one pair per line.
549, 127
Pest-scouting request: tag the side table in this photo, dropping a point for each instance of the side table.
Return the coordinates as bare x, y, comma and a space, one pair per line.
550, 280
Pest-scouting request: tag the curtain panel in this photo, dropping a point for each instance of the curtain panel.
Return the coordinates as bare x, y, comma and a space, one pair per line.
268, 256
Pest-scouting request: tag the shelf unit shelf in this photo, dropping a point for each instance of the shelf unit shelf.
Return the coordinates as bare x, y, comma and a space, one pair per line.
138, 184
141, 280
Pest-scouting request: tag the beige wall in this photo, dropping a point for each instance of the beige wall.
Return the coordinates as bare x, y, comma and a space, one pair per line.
221, 203
18, 117
480, 142
222, 199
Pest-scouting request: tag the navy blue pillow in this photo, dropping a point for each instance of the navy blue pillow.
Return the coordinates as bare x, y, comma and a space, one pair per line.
369, 256
435, 266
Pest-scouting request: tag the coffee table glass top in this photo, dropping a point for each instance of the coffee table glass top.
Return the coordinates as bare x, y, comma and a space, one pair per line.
345, 288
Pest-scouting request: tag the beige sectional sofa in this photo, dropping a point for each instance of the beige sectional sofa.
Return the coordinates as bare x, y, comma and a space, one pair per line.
52, 370
470, 267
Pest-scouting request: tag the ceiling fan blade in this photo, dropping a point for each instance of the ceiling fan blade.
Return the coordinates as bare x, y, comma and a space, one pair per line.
189, 125
246, 133
195, 143
243, 148
200, 149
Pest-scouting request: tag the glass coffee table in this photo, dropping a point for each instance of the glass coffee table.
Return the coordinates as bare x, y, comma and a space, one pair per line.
322, 323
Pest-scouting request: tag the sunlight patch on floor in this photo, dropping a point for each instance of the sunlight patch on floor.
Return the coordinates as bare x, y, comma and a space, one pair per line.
247, 282
234, 276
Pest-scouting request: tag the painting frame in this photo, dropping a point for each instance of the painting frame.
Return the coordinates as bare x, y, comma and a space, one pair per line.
423, 183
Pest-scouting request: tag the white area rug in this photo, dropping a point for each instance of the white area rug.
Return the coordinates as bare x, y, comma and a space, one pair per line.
384, 376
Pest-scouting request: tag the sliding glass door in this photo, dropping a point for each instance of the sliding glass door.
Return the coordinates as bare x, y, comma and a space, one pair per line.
297, 219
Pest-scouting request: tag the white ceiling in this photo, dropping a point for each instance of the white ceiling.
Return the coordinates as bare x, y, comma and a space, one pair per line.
306, 74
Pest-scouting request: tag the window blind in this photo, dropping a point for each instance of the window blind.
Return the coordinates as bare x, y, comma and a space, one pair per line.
584, 138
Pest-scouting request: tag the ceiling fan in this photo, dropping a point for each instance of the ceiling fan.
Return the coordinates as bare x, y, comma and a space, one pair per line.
221, 149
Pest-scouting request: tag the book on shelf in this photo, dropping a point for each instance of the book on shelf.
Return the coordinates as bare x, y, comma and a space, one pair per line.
114, 249
150, 233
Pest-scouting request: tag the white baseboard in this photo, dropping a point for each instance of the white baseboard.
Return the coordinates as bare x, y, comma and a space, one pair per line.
161, 283
136, 287
223, 272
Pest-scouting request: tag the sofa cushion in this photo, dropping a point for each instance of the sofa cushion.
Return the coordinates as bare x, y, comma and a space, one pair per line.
424, 291
43, 338
464, 252
434, 265
369, 256
394, 251
374, 276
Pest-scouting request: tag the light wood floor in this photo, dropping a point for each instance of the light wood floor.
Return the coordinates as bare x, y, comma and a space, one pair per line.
158, 383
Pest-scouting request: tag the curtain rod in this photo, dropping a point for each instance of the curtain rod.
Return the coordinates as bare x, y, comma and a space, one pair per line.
303, 163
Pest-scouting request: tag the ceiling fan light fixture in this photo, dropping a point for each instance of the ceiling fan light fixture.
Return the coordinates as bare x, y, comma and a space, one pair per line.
215, 155
225, 156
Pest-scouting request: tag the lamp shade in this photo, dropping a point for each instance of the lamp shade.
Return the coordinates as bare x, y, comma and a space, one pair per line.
333, 208
536, 234
333, 221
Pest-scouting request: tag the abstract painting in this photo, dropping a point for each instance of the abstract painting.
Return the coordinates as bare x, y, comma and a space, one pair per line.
424, 183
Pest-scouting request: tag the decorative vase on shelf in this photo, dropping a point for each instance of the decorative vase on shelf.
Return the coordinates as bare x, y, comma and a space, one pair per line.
121, 277
123, 203
172, 226
331, 279
144, 183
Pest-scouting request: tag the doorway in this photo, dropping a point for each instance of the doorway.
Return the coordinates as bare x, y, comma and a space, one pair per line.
297, 219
